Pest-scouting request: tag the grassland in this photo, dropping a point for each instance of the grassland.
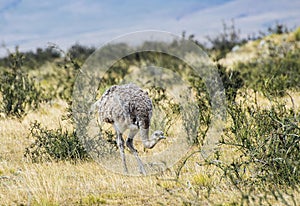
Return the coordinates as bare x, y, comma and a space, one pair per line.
191, 181
87, 183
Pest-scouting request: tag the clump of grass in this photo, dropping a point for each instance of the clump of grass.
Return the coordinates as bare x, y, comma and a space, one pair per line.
92, 200
201, 180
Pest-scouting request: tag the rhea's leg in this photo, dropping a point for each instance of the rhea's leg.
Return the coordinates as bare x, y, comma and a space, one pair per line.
120, 142
129, 144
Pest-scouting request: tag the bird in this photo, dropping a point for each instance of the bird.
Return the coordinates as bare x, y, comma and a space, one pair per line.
128, 107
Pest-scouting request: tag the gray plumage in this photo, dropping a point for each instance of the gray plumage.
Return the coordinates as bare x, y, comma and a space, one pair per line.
128, 107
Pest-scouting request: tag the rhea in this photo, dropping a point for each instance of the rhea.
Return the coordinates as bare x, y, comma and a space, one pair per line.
128, 107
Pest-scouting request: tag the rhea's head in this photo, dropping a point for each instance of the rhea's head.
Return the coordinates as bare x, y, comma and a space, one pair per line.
158, 135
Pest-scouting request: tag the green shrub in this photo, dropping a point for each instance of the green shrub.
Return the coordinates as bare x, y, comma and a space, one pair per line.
19, 92
267, 142
55, 144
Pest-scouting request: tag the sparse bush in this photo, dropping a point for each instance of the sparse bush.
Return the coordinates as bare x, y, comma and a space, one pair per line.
225, 41
203, 106
268, 139
54, 144
19, 92
166, 105
267, 144
65, 75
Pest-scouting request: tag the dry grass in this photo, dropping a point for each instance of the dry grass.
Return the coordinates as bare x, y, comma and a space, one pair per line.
291, 101
87, 183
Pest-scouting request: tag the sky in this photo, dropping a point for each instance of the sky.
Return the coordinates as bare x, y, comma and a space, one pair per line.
31, 23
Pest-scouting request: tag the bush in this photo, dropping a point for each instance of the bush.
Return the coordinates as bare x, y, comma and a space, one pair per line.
268, 140
55, 144
266, 143
19, 91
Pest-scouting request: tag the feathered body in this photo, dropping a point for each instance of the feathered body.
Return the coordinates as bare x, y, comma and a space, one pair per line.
125, 105
128, 107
